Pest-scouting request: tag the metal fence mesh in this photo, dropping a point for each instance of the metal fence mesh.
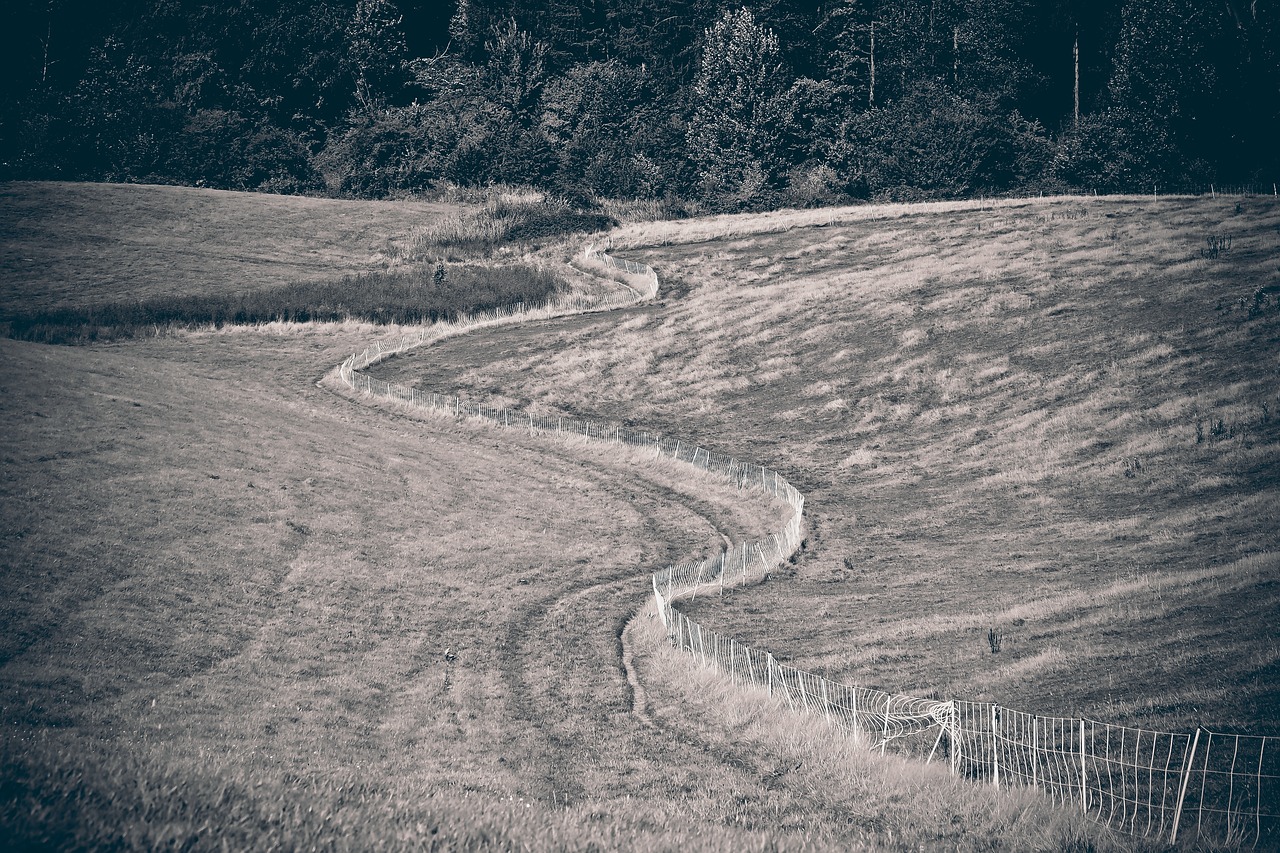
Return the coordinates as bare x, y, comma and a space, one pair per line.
1221, 787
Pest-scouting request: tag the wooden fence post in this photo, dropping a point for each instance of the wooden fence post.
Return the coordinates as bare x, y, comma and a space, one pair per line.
954, 737
1257, 814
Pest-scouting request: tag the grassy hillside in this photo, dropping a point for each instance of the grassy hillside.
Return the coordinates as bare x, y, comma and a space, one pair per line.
244, 611
71, 245
1055, 420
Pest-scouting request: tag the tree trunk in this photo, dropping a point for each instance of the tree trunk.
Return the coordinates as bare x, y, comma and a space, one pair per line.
955, 55
1076, 109
871, 93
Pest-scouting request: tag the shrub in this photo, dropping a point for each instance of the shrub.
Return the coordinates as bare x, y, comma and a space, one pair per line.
504, 220
393, 152
224, 149
935, 144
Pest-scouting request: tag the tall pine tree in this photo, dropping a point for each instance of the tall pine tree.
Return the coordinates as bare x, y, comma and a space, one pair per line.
732, 137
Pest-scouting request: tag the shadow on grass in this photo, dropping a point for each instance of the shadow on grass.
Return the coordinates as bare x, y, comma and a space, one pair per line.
417, 295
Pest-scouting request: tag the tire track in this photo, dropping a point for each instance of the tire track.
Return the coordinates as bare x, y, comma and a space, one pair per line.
547, 741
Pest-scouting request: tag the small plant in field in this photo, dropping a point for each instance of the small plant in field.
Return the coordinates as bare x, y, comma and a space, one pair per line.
1264, 298
441, 274
1218, 245
994, 639
1132, 467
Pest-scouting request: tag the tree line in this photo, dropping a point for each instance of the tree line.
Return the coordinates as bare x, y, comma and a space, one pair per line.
731, 106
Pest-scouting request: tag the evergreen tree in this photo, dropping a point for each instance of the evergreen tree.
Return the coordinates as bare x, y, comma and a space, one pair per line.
1163, 81
516, 69
732, 137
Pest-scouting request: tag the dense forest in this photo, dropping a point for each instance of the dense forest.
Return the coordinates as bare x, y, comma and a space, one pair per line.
729, 106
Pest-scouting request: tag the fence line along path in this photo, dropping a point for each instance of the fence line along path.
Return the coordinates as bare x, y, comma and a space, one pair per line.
1224, 788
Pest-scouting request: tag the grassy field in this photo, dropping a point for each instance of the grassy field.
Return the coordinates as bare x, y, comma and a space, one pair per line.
244, 611
1055, 420
62, 246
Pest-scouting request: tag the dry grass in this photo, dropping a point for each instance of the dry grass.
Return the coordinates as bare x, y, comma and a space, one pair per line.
827, 784
229, 600
1023, 406
229, 593
68, 245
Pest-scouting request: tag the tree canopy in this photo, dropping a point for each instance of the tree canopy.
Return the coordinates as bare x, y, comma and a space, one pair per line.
736, 106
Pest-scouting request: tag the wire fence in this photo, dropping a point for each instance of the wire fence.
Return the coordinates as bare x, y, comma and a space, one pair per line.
1224, 788
1215, 190
1185, 189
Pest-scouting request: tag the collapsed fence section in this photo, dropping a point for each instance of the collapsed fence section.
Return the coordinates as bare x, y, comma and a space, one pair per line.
1220, 787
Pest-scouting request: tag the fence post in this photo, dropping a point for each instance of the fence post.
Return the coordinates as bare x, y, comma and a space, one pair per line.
954, 737
1257, 815
768, 660
1084, 789
1035, 754
1182, 792
884, 733
826, 703
995, 750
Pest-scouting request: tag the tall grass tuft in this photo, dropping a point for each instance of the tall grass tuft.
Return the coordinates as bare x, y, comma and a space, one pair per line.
505, 220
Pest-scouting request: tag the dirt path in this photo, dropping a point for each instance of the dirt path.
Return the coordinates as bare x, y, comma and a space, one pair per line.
569, 676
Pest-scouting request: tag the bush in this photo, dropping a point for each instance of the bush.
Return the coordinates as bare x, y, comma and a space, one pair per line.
393, 153
504, 220
816, 185
935, 144
224, 149
1115, 151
